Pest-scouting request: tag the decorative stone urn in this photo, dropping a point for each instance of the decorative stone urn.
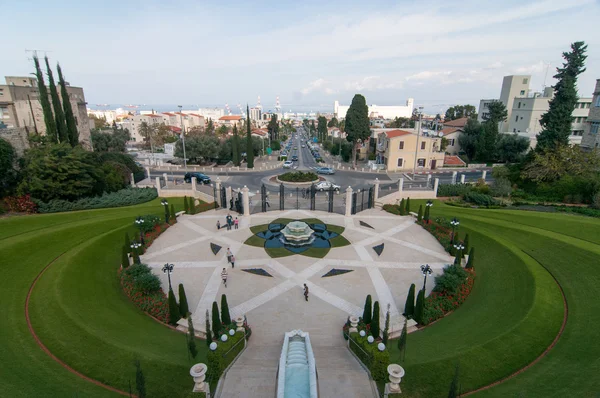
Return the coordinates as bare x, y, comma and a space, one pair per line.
239, 322
396, 372
198, 373
353, 324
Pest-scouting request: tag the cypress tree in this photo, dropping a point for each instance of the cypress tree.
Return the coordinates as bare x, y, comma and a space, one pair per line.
186, 207
125, 256
216, 321
249, 146
409, 307
208, 331
375, 321
173, 215
386, 328
59, 116
403, 338
426, 217
192, 205
183, 303
174, 315
471, 261
192, 338
419, 307
140, 381
402, 207
407, 205
420, 216
466, 243
236, 146
453, 393
127, 242
225, 317
367, 310
556, 123
45, 103
136, 256
66, 103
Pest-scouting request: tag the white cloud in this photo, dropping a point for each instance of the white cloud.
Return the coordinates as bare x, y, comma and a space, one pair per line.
429, 75
318, 85
373, 83
537, 67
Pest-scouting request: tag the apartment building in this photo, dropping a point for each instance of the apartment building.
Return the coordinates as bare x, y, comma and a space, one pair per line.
591, 138
230, 120
20, 107
174, 120
378, 111
404, 149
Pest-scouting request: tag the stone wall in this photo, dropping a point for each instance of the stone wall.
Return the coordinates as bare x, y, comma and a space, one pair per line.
17, 137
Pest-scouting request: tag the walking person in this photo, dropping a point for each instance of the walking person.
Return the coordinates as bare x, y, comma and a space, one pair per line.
218, 225
236, 223
229, 255
305, 292
224, 276
267, 200
232, 261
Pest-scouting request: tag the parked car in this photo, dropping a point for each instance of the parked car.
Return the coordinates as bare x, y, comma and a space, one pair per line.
201, 178
325, 170
303, 146
288, 164
326, 185
294, 158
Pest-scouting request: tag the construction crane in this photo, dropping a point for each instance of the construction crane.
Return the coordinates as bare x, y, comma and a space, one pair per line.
228, 110
241, 110
258, 105
277, 106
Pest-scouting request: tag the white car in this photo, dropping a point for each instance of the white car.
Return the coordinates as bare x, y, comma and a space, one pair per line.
288, 164
326, 185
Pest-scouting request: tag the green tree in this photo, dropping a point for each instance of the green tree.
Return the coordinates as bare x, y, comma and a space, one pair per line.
186, 206
174, 315
49, 120
375, 327
556, 123
511, 148
468, 141
487, 141
367, 310
192, 205
313, 129
358, 127
471, 260
322, 128
68, 110
466, 242
273, 128
208, 330
192, 338
172, 213
560, 162
135, 253
125, 256
110, 141
333, 123
8, 173
222, 130
184, 309
407, 205
59, 116
419, 307
249, 147
409, 306
402, 339
216, 321
210, 127
140, 381
386, 328
225, 317
127, 242
460, 111
402, 207
454, 386
420, 215
426, 216
236, 147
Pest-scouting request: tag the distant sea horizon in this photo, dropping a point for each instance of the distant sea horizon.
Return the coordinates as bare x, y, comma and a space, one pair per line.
186, 107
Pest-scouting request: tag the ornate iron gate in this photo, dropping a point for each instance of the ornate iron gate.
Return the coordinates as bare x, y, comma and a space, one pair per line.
281, 197
223, 197
263, 198
330, 200
240, 203
353, 207
313, 194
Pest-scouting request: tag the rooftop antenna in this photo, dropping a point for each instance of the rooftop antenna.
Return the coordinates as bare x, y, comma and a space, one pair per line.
545, 75
258, 105
277, 106
35, 53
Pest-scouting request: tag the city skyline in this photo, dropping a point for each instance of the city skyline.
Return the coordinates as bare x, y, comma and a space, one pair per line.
232, 53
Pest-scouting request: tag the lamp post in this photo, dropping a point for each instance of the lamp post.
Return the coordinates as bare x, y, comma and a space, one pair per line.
418, 135
166, 205
134, 251
454, 224
182, 136
168, 269
426, 270
428, 205
459, 253
139, 222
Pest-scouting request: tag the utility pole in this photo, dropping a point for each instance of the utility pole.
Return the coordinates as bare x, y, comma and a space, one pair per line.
418, 135
182, 137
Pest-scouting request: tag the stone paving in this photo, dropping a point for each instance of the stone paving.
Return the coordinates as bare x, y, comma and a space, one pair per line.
275, 305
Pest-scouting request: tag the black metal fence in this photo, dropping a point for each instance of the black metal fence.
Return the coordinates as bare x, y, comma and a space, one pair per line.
282, 197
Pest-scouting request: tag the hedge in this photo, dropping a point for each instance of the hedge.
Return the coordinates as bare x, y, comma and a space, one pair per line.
453, 189
298, 176
124, 197
368, 353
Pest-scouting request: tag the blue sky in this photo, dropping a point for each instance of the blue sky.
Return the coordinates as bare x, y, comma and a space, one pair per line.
308, 53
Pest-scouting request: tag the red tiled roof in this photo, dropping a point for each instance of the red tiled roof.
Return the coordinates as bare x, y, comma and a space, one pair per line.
195, 114
259, 132
232, 117
168, 114
457, 122
152, 115
174, 129
453, 161
450, 130
396, 133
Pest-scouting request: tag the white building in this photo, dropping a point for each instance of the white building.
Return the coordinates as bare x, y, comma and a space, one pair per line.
211, 113
375, 111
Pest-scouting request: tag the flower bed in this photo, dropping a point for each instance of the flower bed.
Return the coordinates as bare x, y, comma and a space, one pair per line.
439, 304
298, 176
154, 303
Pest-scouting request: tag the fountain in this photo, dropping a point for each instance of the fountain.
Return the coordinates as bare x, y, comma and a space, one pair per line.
297, 233
297, 376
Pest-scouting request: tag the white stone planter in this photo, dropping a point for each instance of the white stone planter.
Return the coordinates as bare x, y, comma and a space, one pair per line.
353, 324
396, 372
239, 323
198, 373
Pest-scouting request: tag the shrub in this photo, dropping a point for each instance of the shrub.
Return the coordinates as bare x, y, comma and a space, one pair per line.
125, 256
367, 310
402, 207
450, 280
21, 204
501, 187
147, 283
394, 209
127, 242
479, 199
225, 317
386, 328
149, 223
154, 303
184, 309
124, 197
420, 215
191, 338
471, 261
376, 361
453, 189
174, 315
403, 337
137, 270
208, 330
173, 215
375, 327
298, 176
186, 206
407, 205
466, 243
409, 307
216, 321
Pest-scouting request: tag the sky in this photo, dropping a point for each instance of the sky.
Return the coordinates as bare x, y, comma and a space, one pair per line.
309, 53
